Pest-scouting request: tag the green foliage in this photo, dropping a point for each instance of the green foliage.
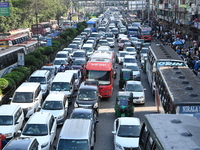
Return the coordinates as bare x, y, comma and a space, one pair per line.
11, 84
30, 60
25, 70
15, 76
3, 85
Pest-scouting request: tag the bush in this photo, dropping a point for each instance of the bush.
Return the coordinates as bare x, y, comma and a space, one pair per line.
11, 83
30, 60
25, 70
3, 85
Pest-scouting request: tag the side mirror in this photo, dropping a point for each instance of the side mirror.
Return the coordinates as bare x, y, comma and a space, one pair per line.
123, 89
113, 132
145, 89
97, 121
16, 122
19, 132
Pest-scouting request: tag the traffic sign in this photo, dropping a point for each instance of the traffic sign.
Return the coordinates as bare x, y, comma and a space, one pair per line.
49, 41
4, 9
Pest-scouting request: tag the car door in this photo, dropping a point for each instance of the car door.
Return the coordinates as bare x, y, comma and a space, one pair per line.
52, 129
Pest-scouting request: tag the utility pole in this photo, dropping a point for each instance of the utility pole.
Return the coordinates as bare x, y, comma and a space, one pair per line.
36, 17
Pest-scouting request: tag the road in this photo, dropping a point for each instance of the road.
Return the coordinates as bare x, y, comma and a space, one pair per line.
104, 137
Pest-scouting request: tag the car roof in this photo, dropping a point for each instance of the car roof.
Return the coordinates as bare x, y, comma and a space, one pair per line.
7, 109
39, 118
55, 96
88, 87
82, 110
129, 121
133, 82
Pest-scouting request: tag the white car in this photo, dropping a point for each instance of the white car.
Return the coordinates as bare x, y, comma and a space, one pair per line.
58, 61
57, 105
41, 125
126, 133
135, 70
111, 42
120, 56
129, 59
130, 50
137, 89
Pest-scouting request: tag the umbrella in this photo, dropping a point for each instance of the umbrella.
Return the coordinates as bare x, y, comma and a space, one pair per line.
177, 43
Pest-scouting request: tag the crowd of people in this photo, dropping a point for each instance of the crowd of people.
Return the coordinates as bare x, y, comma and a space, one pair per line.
186, 46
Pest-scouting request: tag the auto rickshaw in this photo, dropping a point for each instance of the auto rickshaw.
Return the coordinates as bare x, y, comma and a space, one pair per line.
125, 74
124, 104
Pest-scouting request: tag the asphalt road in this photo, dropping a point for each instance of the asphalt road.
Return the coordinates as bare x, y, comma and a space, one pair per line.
104, 137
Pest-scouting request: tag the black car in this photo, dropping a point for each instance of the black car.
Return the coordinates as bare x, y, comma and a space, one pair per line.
88, 97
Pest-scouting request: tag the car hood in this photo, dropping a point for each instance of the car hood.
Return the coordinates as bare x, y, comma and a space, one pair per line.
67, 93
127, 142
138, 94
136, 72
55, 113
41, 139
6, 129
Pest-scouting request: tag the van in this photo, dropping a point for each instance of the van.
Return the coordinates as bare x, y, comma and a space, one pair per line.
44, 78
76, 134
63, 54
11, 120
78, 77
64, 82
29, 96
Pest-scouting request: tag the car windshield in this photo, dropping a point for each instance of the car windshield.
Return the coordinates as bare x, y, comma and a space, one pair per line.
129, 131
72, 46
52, 105
102, 76
65, 144
144, 50
134, 87
88, 49
130, 50
52, 70
68, 50
81, 116
87, 94
122, 54
78, 62
6, 120
60, 86
110, 40
123, 41
59, 62
79, 54
104, 43
134, 68
61, 56
41, 80
35, 130
23, 97
129, 60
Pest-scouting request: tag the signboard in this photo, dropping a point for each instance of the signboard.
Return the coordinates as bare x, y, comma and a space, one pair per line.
20, 61
49, 41
193, 110
75, 26
4, 9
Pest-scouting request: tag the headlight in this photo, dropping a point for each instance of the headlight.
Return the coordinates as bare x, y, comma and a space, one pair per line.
118, 146
141, 96
95, 105
8, 135
75, 105
60, 117
44, 145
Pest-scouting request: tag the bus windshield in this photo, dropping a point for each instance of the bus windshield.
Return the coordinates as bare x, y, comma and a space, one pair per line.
65, 144
102, 76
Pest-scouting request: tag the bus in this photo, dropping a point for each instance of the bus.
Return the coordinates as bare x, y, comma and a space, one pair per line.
93, 24
177, 91
29, 46
159, 55
169, 132
54, 24
9, 58
100, 67
145, 32
15, 37
42, 28
132, 31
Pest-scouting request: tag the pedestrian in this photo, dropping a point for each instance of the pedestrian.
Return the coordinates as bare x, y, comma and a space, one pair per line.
3, 140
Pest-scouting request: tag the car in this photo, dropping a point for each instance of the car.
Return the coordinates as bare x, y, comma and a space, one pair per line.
133, 40
41, 125
111, 42
23, 143
52, 69
115, 31
120, 56
88, 96
102, 42
102, 29
11, 120
131, 50
74, 46
77, 76
89, 48
109, 35
88, 30
121, 36
129, 59
92, 42
57, 105
63, 54
95, 35
121, 43
79, 43
84, 113
58, 61
78, 62
44, 78
143, 52
126, 133
79, 54
69, 50
137, 89
135, 69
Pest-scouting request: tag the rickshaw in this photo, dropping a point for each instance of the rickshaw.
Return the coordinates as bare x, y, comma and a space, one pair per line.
124, 104
125, 74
